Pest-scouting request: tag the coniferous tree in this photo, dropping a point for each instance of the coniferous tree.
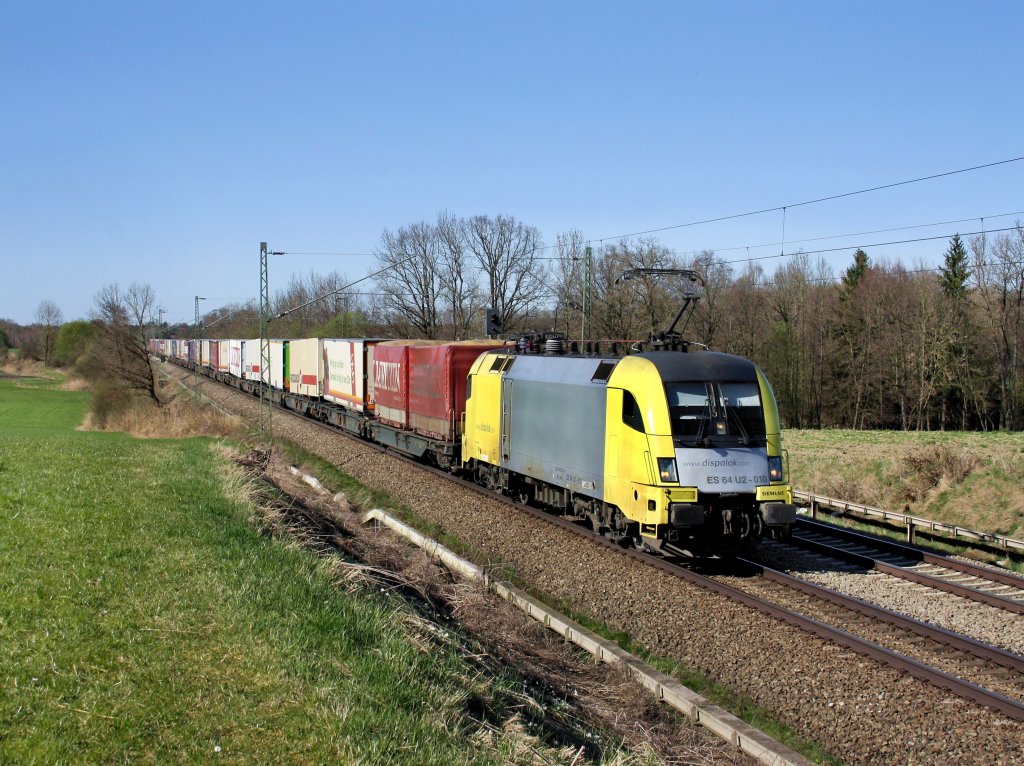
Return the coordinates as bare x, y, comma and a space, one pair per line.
955, 371
955, 271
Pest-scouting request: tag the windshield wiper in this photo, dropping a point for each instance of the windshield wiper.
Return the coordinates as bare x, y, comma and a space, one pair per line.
744, 436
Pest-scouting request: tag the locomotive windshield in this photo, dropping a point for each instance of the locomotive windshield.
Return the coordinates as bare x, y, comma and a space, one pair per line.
706, 413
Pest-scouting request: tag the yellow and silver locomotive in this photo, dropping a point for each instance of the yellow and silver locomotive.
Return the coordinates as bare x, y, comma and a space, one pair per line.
666, 448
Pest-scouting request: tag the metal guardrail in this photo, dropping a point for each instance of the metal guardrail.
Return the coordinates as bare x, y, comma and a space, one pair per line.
912, 523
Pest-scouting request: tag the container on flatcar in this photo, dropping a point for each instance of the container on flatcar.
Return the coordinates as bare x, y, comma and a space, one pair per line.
223, 356
390, 373
210, 352
235, 358
306, 369
437, 386
251, 359
278, 373
345, 379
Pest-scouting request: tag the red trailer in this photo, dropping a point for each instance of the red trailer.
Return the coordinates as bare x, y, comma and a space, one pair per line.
420, 388
437, 386
214, 354
391, 382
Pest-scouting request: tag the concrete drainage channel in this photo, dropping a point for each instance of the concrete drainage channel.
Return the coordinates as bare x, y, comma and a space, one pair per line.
739, 734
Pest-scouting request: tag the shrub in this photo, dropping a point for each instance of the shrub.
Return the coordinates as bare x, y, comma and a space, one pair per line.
943, 461
108, 401
72, 341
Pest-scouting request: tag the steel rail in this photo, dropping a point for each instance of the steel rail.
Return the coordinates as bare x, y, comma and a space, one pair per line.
958, 686
958, 641
913, 552
931, 581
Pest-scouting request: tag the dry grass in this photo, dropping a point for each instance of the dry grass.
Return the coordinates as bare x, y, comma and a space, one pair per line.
571, 692
25, 368
74, 382
972, 479
178, 419
29, 368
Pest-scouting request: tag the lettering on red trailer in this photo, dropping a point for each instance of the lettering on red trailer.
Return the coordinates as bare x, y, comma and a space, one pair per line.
387, 375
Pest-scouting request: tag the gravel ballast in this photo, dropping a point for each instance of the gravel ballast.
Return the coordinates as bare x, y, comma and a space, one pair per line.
861, 711
983, 622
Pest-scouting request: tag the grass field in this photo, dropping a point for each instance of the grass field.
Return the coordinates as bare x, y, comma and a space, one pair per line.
143, 619
973, 479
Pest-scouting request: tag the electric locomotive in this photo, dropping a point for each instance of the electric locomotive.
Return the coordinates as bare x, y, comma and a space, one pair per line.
668, 449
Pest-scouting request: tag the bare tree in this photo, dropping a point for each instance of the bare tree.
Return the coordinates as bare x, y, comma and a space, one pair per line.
709, 314
508, 253
568, 281
122, 319
999, 270
745, 312
49, 317
412, 284
659, 299
459, 290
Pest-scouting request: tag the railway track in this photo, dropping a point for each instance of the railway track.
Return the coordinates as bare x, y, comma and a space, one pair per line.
986, 585
956, 656
914, 526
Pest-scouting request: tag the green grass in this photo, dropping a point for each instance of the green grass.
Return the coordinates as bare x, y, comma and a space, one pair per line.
142, 619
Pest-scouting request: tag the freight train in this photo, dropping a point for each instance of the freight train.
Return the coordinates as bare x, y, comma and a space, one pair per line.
674, 448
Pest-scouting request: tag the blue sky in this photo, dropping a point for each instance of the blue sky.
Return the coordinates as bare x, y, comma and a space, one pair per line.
161, 142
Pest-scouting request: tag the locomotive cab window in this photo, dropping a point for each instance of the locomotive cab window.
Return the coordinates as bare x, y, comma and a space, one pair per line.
705, 413
631, 414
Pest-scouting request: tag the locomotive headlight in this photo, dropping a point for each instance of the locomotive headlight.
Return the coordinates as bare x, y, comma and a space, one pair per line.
667, 469
775, 468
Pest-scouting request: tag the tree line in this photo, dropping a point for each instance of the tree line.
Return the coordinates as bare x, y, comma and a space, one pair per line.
879, 345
